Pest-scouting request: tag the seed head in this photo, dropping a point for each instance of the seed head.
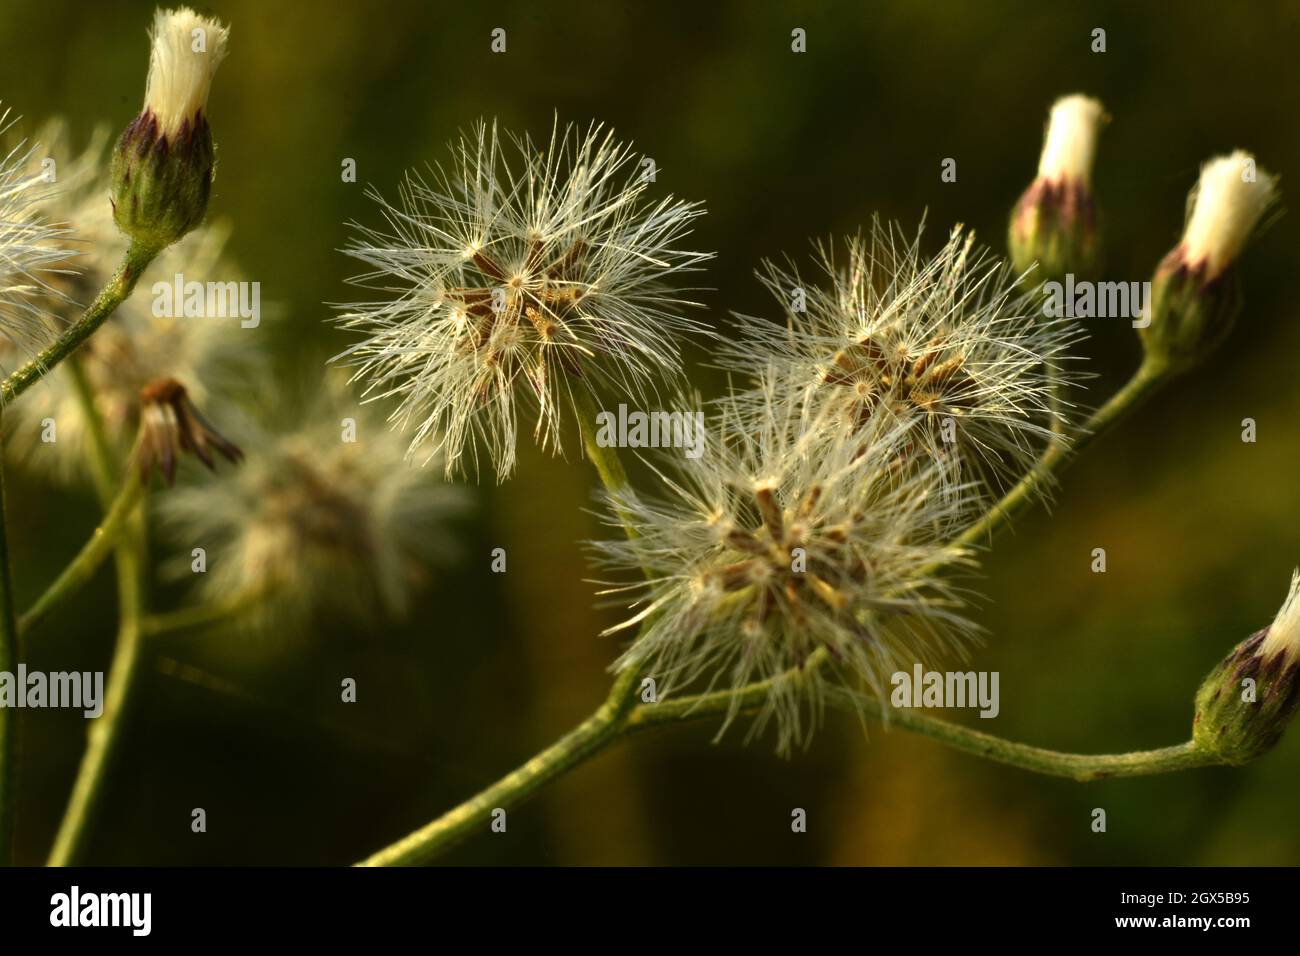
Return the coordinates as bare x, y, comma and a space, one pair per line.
314, 523
949, 343
772, 546
509, 279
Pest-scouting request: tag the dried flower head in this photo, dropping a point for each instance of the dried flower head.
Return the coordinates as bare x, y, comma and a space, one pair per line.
163, 163
949, 343
171, 425
212, 356
772, 546
30, 250
512, 278
324, 516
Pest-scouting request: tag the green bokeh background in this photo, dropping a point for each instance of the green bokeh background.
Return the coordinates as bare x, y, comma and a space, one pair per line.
1200, 528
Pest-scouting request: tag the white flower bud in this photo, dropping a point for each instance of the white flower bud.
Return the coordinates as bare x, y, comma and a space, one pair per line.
1071, 141
187, 49
1227, 204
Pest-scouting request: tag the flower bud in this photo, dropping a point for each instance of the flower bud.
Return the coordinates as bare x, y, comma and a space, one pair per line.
1244, 706
1055, 221
163, 163
1195, 296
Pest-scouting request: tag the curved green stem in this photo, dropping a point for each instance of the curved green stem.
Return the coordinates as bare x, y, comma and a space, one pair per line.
1080, 767
589, 737
1149, 378
110, 297
83, 567
8, 663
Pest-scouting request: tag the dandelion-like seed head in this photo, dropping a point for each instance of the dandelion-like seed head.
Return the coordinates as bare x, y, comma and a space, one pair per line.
949, 343
512, 277
319, 519
773, 546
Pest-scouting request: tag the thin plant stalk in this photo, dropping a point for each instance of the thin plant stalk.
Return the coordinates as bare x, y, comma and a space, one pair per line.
114, 293
8, 663
617, 717
130, 558
103, 541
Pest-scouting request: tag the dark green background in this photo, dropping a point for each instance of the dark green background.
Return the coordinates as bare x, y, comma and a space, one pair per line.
1200, 529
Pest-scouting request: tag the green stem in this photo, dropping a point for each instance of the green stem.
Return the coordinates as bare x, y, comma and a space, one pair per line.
608, 465
110, 297
1149, 378
8, 663
201, 616
83, 567
589, 737
130, 556
1080, 767
104, 738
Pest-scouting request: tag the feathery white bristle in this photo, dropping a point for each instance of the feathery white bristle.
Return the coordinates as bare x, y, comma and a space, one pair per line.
1283, 637
1228, 202
186, 50
1070, 144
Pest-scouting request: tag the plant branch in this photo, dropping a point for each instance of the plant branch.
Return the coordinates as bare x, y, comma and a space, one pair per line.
110, 297
8, 663
589, 737
82, 568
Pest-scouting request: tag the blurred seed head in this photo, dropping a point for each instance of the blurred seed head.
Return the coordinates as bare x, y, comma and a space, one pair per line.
134, 347
511, 277
312, 526
774, 545
948, 346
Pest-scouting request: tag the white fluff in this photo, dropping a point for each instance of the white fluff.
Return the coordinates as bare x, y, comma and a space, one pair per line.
180, 75
1227, 204
1071, 141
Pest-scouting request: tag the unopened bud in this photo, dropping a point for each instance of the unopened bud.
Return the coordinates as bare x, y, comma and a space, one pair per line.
1055, 221
163, 163
1195, 294
1244, 706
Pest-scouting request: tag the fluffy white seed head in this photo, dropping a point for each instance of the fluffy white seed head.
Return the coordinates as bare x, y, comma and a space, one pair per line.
1283, 637
1070, 144
512, 276
1226, 206
771, 547
948, 343
33, 254
186, 50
